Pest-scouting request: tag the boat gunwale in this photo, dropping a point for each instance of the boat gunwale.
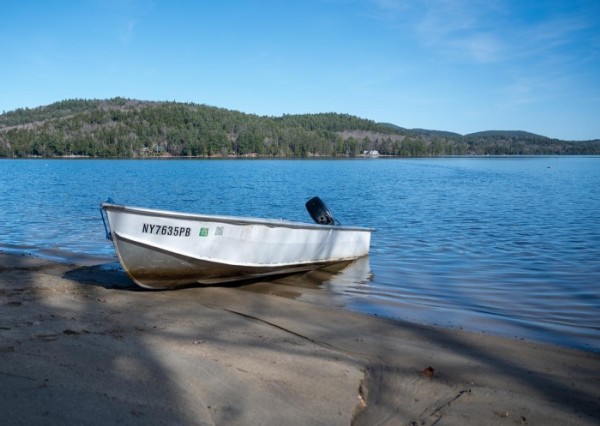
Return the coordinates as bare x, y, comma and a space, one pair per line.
233, 220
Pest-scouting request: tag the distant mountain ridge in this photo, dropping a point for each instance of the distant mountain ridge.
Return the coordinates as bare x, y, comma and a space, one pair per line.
519, 134
121, 127
486, 133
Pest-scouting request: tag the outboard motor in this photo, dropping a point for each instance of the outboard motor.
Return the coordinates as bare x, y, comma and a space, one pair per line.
319, 212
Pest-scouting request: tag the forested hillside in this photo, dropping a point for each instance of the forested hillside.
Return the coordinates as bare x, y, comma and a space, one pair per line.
129, 128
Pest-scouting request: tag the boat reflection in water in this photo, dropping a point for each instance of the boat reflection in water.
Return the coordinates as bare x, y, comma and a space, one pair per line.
326, 285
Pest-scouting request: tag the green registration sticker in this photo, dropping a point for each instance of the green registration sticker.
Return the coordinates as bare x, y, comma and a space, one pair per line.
203, 232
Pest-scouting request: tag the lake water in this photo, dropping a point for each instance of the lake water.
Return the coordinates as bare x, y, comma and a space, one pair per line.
507, 246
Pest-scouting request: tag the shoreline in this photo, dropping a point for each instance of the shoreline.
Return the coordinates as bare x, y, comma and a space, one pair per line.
467, 321
82, 344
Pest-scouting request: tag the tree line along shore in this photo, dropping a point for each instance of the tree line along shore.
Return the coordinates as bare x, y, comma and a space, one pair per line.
126, 128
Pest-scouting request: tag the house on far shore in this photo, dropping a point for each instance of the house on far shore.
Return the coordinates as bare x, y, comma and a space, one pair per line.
373, 153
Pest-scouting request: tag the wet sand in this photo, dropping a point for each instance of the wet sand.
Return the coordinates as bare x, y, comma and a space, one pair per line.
83, 345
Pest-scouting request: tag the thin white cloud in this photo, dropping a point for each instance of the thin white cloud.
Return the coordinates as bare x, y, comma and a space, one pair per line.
126, 32
552, 39
532, 87
456, 28
482, 48
391, 5
485, 31
463, 29
520, 92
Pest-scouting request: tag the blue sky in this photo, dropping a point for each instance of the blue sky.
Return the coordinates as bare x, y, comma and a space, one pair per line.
457, 65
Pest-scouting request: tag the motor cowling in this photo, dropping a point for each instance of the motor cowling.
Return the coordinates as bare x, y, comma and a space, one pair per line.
319, 212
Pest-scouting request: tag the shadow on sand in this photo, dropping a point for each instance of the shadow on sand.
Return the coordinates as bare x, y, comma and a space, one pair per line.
84, 345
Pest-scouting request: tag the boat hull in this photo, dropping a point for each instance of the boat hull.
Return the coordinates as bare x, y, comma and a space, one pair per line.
162, 249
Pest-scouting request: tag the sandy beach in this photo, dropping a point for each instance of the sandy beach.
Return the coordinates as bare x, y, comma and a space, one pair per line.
83, 345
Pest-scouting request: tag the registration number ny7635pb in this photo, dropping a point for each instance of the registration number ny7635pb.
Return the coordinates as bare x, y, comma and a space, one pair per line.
176, 231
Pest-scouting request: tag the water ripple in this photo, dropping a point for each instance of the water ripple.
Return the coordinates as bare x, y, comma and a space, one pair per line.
505, 245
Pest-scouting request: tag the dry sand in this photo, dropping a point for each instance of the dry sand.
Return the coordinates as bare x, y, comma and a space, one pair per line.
83, 345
